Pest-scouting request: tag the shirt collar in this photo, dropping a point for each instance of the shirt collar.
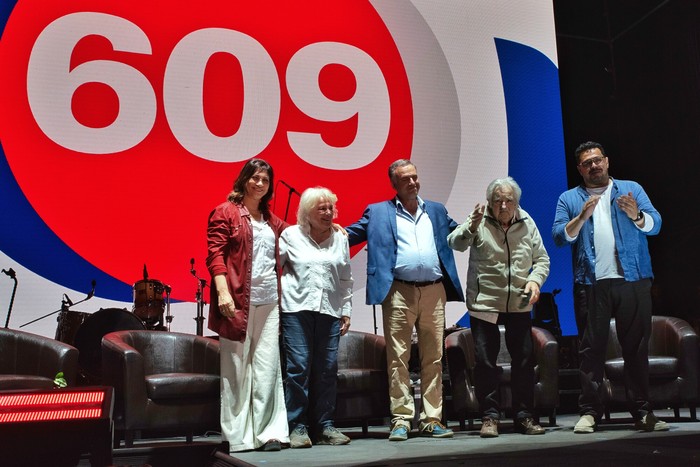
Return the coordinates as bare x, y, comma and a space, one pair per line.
399, 205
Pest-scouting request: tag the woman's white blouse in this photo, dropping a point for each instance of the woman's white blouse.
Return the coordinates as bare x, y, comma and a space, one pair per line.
263, 284
315, 277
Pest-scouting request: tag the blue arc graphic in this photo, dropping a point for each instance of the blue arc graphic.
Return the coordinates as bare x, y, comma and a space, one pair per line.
536, 158
29, 241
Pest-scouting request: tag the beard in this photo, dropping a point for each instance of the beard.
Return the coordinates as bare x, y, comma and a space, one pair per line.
598, 178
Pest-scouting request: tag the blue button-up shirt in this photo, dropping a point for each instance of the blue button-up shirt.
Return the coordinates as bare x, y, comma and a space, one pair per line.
630, 241
417, 258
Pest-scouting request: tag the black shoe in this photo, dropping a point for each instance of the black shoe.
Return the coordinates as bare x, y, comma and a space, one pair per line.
271, 445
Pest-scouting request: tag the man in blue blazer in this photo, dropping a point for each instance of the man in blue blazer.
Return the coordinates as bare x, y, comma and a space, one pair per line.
411, 272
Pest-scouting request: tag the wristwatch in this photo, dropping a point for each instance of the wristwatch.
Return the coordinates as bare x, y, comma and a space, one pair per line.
640, 216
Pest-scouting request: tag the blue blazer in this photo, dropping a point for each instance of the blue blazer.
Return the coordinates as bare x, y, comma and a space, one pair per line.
377, 227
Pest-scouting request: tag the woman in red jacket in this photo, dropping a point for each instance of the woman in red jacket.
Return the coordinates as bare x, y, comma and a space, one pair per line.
243, 255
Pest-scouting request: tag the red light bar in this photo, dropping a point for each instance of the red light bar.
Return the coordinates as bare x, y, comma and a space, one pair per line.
63, 405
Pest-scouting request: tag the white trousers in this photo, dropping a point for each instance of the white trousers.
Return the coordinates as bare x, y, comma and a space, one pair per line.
252, 399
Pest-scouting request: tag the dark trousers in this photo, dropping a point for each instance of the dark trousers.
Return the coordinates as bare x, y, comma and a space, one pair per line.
580, 308
310, 341
487, 374
630, 304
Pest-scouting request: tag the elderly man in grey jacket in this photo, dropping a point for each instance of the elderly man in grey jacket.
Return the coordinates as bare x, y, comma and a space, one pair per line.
508, 264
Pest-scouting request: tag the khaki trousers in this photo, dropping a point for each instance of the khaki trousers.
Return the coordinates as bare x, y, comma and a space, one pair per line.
404, 308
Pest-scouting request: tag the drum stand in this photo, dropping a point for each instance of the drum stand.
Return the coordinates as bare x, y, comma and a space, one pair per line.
168, 316
201, 283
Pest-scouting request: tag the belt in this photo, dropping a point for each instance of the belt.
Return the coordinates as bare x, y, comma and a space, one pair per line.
419, 284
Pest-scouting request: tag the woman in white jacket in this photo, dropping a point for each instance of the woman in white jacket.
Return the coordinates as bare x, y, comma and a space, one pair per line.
508, 264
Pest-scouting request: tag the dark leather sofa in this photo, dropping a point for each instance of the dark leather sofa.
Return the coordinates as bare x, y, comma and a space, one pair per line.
163, 381
673, 366
459, 349
363, 392
31, 361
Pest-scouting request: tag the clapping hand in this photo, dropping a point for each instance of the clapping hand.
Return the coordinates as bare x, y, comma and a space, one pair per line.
629, 205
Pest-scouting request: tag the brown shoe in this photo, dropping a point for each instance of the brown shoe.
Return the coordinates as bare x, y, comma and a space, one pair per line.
331, 435
489, 428
527, 426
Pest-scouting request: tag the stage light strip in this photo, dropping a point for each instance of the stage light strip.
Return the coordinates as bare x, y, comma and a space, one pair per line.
67, 405
37, 416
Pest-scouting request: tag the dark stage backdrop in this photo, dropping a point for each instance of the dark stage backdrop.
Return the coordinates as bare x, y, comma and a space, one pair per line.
630, 79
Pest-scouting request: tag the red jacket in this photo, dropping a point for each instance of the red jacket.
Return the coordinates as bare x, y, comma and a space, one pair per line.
230, 252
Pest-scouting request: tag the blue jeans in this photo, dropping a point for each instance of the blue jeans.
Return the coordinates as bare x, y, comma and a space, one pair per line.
310, 343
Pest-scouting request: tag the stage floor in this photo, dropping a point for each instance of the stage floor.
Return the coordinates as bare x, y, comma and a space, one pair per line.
614, 444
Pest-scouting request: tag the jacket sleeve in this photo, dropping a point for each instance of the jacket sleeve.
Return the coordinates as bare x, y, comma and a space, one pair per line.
562, 216
357, 232
540, 258
218, 233
644, 204
461, 238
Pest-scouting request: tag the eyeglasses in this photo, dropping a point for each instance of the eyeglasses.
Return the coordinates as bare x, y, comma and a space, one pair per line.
588, 163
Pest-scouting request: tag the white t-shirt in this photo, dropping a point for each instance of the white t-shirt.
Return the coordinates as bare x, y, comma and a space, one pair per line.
607, 265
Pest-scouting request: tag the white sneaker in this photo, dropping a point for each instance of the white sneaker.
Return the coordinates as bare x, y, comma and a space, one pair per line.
585, 424
650, 423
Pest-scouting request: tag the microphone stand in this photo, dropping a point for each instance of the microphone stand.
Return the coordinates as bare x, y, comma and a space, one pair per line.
13, 276
65, 304
374, 313
289, 197
201, 284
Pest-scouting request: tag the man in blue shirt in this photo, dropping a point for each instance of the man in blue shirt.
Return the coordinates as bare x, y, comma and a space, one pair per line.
606, 222
411, 272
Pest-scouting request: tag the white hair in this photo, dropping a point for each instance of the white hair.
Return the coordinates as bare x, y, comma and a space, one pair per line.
310, 199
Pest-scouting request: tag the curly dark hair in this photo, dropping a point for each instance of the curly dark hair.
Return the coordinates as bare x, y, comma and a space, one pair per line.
247, 172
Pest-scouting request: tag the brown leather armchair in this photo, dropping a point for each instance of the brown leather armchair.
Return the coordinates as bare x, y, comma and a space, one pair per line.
459, 349
163, 381
363, 392
673, 366
30, 361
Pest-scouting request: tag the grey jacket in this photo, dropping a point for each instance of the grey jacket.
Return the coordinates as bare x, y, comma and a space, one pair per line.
501, 263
